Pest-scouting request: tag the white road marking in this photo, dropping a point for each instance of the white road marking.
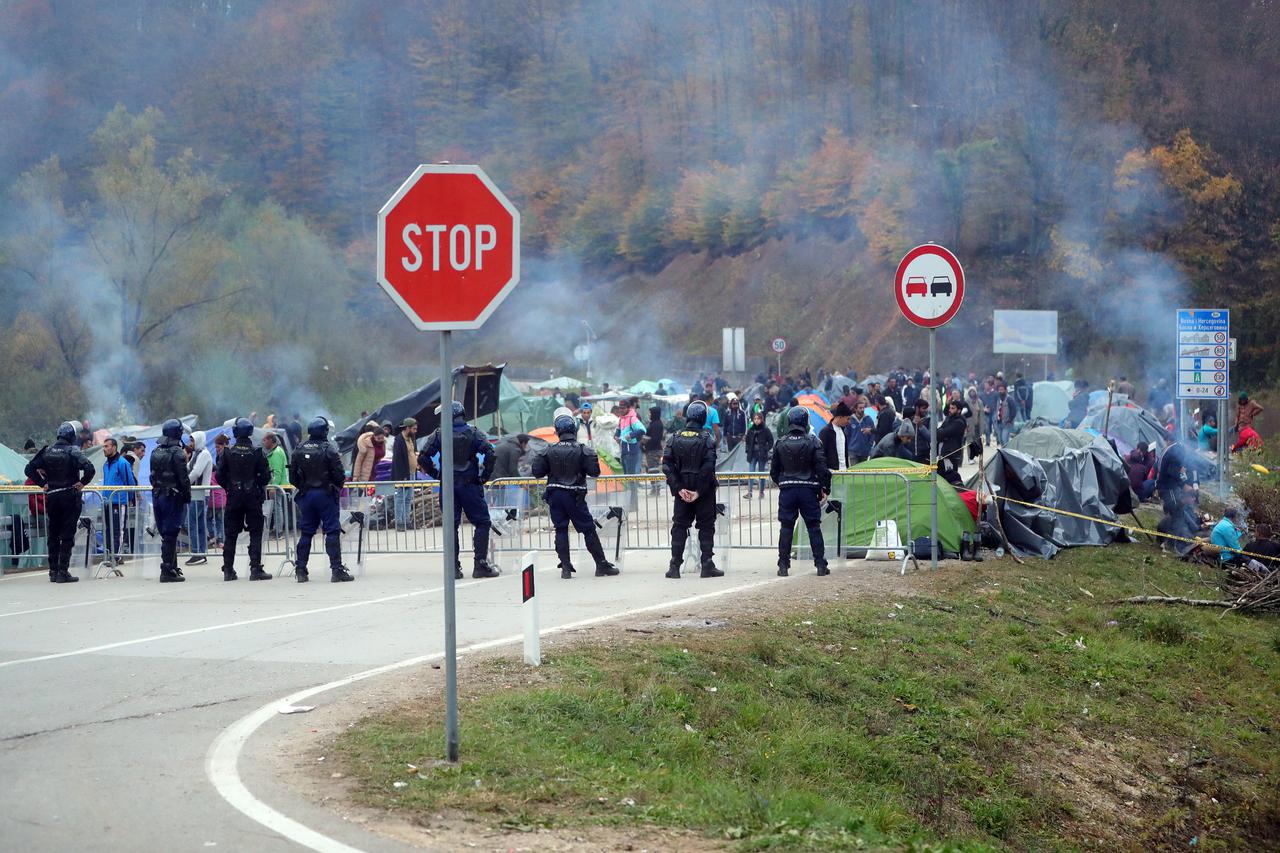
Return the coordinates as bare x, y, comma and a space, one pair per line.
73, 604
25, 576
191, 631
222, 760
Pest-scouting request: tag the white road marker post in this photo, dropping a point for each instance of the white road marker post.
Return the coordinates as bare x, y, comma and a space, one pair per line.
532, 636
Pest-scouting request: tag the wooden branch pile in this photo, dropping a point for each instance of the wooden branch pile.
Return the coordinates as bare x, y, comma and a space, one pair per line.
1247, 589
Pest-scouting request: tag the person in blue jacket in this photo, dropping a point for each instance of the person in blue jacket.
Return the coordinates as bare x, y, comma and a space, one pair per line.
116, 471
473, 461
1227, 536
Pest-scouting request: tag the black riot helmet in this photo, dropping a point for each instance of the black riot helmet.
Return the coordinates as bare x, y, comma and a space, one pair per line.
696, 413
798, 417
565, 424
172, 428
459, 413
318, 428
67, 432
243, 428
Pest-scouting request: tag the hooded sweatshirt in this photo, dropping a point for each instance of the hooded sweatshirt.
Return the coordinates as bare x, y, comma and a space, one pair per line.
201, 465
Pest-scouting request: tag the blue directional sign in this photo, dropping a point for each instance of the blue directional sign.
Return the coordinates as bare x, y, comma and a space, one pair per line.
1203, 356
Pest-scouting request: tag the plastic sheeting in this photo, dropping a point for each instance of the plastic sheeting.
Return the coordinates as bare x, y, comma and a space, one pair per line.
1128, 425
1090, 481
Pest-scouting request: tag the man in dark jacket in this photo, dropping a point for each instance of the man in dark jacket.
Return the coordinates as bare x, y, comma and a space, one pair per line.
509, 452
951, 442
1078, 408
759, 446
1171, 475
799, 468
170, 494
1141, 463
733, 423
920, 440
566, 465
244, 474
886, 420
837, 439
62, 470
863, 428
403, 450
653, 434
894, 393
689, 464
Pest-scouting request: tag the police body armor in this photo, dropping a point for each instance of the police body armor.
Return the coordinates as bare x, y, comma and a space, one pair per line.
689, 449
59, 465
163, 462
564, 467
315, 470
795, 452
242, 471
464, 450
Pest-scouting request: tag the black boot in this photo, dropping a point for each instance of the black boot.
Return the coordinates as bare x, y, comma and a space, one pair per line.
965, 544
257, 574
603, 567
975, 547
823, 571
679, 537
562, 552
482, 569
709, 570
228, 573
169, 572
300, 563
784, 569
339, 574
65, 576
457, 572
171, 575
673, 571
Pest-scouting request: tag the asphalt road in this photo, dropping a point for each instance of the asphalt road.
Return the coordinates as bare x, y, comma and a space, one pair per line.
114, 691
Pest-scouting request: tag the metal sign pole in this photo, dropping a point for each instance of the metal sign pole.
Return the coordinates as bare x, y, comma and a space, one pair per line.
1222, 446
933, 450
450, 548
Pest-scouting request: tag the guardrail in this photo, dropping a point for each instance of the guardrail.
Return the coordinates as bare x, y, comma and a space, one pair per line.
633, 512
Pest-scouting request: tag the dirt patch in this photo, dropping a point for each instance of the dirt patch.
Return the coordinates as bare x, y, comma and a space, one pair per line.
305, 758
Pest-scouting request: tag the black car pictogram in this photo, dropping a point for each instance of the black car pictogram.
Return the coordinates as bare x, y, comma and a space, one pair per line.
941, 286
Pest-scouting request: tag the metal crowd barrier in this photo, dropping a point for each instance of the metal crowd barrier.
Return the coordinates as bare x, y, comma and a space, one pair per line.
633, 512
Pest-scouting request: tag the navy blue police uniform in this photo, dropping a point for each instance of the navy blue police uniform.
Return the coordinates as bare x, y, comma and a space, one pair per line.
799, 468
473, 461
566, 466
62, 470
315, 470
689, 463
244, 474
170, 494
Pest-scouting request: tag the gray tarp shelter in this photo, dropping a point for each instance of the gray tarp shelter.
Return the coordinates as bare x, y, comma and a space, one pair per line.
479, 389
1128, 425
1090, 481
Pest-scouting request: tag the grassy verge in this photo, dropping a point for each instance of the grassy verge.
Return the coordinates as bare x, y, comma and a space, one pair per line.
1004, 706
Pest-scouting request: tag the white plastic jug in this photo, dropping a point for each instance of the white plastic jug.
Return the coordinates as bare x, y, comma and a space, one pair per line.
885, 544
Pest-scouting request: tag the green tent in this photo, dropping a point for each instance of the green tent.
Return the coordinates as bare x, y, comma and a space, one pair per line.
871, 499
643, 388
512, 407
564, 383
541, 411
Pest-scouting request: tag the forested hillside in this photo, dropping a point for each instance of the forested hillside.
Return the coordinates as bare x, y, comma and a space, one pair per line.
192, 186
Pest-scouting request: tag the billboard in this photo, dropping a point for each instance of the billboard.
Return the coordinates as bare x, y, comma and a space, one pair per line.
1034, 332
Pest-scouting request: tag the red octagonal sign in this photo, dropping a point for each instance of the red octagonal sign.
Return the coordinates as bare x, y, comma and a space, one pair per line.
448, 247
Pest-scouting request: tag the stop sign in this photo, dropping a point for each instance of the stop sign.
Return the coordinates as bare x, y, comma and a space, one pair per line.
448, 247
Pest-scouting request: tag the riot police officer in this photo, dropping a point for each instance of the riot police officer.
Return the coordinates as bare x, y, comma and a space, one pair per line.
799, 468
689, 463
469, 477
566, 465
63, 471
243, 473
170, 494
316, 472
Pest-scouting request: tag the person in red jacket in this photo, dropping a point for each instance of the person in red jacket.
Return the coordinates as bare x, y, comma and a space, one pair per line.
1247, 440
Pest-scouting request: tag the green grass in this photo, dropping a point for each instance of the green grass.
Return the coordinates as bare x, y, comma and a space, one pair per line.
946, 724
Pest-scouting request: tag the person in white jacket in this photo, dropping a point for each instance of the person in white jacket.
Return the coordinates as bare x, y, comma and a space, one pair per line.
199, 469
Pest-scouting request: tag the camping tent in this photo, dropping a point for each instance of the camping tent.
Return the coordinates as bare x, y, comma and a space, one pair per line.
1087, 481
1128, 425
643, 388
866, 497
1049, 442
12, 466
1050, 402
564, 383
480, 394
513, 410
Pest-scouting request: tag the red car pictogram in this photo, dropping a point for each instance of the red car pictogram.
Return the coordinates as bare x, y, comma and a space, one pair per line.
917, 286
